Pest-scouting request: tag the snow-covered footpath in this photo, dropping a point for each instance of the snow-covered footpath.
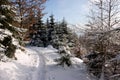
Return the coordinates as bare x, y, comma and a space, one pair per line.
37, 63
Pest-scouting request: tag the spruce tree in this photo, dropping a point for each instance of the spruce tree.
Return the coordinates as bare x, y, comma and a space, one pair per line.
42, 32
54, 33
51, 28
47, 25
6, 15
39, 34
63, 32
6, 20
64, 26
35, 34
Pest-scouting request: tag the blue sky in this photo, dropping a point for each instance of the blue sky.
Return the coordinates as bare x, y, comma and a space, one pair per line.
74, 11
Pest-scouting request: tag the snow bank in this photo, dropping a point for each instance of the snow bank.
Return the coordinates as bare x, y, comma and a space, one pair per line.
37, 63
55, 72
22, 68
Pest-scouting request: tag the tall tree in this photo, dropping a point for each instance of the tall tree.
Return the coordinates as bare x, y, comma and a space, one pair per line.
29, 11
105, 15
51, 28
39, 34
6, 14
6, 19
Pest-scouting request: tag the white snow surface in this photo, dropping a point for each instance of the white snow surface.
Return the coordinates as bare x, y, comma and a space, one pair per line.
37, 63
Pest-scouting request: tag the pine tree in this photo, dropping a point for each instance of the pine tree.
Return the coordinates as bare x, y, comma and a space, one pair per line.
39, 34
35, 34
47, 25
64, 26
65, 58
59, 33
42, 32
51, 28
55, 41
6, 20
63, 32
55, 37
6, 15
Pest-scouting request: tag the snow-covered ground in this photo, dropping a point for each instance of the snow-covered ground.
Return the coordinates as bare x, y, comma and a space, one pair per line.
37, 63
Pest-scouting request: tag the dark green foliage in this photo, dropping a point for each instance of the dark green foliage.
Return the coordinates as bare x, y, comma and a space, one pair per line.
112, 69
39, 34
6, 20
60, 34
42, 34
51, 28
7, 17
64, 60
9, 47
63, 26
52, 23
52, 33
7, 41
97, 62
10, 51
7, 13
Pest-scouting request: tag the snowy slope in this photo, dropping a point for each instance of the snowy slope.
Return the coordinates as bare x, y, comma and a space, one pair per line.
22, 69
37, 63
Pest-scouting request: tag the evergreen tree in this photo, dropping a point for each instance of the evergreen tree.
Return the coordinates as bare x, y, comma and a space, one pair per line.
6, 20
55, 37
6, 15
63, 33
51, 28
55, 40
35, 34
65, 58
60, 34
68, 36
53, 33
64, 26
42, 32
39, 35
47, 25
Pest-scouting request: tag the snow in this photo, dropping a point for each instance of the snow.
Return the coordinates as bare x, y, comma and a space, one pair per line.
77, 28
6, 6
37, 63
1, 24
2, 17
7, 32
4, 33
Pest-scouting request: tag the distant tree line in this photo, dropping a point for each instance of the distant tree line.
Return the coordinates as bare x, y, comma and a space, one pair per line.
51, 33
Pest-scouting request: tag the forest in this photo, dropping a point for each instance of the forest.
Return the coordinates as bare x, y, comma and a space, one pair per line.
22, 26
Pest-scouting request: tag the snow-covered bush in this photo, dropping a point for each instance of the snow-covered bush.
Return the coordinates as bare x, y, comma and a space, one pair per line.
97, 63
6, 44
65, 58
112, 68
102, 46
